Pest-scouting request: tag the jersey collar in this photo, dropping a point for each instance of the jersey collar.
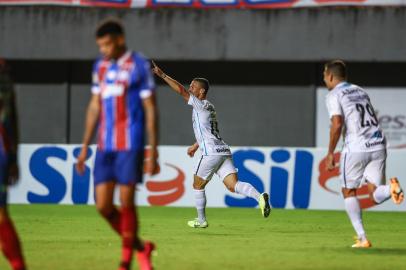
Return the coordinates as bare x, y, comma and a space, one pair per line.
124, 57
341, 84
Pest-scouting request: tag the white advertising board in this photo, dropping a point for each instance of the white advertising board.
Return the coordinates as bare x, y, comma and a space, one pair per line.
294, 177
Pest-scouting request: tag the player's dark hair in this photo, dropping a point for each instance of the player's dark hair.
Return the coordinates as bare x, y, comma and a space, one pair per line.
204, 83
110, 27
337, 68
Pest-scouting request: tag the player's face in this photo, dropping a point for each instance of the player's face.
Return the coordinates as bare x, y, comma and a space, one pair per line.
327, 78
195, 88
110, 46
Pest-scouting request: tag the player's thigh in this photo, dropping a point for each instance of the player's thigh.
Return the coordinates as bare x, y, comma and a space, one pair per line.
128, 167
103, 167
375, 169
104, 195
199, 183
208, 166
352, 166
3, 180
227, 169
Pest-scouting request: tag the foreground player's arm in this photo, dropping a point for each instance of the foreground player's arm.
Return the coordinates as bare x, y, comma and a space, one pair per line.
335, 133
192, 149
13, 169
175, 85
151, 117
92, 116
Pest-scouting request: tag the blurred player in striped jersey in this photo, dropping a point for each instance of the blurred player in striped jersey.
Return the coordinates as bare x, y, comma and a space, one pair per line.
123, 105
9, 242
363, 157
216, 155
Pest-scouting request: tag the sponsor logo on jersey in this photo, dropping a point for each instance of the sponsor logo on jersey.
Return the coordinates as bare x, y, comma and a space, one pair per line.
223, 150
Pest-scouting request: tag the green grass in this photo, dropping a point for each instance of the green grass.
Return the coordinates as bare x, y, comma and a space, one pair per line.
76, 238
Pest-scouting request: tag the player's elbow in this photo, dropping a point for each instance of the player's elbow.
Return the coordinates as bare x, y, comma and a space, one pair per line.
337, 123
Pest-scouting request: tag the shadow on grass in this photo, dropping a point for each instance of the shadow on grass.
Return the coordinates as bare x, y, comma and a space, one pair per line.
373, 250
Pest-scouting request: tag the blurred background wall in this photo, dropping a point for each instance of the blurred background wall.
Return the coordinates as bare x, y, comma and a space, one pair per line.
264, 65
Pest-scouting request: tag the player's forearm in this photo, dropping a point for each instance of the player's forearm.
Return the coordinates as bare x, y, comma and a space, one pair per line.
92, 117
335, 133
174, 84
151, 115
15, 133
195, 146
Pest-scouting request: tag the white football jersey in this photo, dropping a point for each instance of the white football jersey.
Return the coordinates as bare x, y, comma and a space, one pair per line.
361, 130
205, 127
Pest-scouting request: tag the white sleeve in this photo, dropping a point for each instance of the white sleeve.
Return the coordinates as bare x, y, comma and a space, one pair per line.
333, 105
95, 83
196, 103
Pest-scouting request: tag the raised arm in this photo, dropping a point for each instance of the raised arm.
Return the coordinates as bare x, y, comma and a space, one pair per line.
92, 116
175, 85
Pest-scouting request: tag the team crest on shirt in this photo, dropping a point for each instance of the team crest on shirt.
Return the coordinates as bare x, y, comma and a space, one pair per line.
113, 90
111, 75
123, 75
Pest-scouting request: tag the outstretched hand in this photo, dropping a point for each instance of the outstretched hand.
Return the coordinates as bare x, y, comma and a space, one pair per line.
157, 70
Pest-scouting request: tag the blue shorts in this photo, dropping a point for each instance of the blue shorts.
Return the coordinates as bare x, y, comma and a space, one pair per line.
123, 167
3, 179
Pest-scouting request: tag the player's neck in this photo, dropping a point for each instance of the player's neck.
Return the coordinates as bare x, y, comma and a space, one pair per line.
120, 52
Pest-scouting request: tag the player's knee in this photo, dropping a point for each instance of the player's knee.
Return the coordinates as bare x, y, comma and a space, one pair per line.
104, 210
230, 187
349, 192
199, 184
127, 204
3, 214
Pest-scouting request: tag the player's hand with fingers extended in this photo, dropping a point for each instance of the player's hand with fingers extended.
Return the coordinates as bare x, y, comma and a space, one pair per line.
13, 174
80, 165
330, 164
157, 70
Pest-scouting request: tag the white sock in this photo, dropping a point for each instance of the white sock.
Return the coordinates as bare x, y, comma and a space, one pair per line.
381, 194
246, 189
354, 213
200, 201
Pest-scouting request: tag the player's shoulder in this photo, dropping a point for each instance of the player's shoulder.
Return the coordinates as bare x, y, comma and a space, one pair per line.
139, 57
208, 105
100, 62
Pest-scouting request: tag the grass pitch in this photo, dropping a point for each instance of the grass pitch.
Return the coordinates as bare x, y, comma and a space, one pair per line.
76, 238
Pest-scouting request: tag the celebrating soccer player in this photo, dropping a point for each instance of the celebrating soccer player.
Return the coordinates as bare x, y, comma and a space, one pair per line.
216, 155
9, 242
122, 104
363, 157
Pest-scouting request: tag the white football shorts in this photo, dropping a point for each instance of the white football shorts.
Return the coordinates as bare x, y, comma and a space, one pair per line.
210, 165
358, 167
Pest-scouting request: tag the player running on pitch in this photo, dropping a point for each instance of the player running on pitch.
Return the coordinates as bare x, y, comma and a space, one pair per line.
123, 105
216, 154
364, 155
